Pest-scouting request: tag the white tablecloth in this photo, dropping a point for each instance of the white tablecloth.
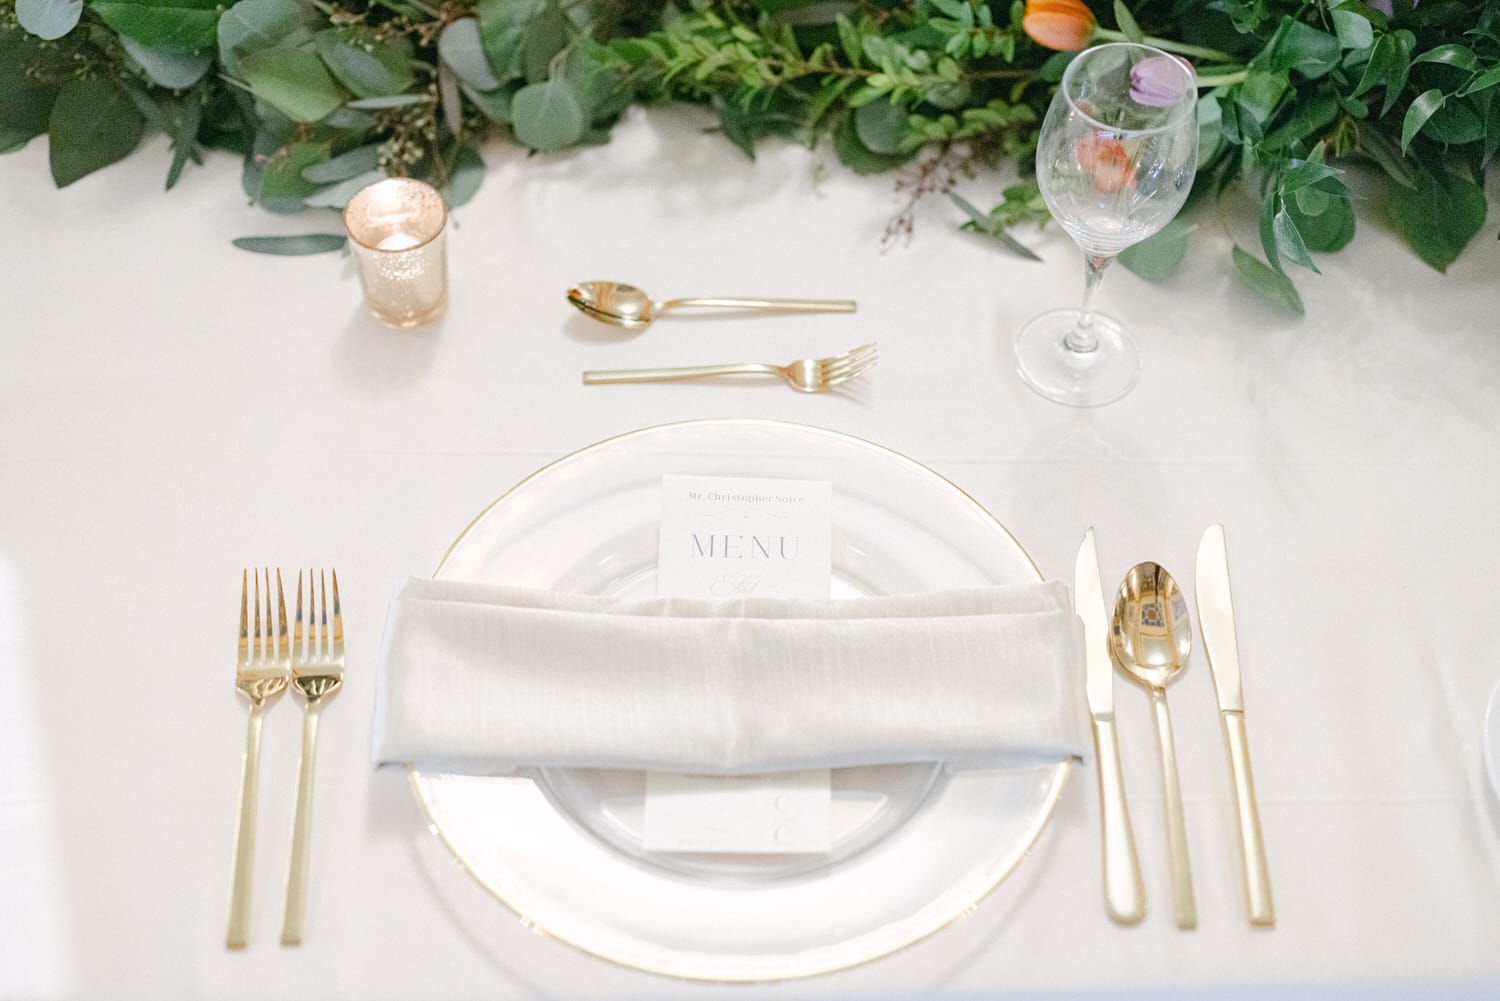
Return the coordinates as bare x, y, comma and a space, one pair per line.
173, 409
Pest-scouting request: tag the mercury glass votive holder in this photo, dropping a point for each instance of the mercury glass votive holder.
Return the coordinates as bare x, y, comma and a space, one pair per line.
398, 228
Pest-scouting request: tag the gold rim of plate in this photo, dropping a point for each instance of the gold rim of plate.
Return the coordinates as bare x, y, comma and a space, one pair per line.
1060, 773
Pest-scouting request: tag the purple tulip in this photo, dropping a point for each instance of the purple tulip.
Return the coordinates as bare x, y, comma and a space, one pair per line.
1384, 6
1158, 82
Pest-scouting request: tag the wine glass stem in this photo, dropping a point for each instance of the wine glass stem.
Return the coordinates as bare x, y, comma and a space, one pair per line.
1081, 338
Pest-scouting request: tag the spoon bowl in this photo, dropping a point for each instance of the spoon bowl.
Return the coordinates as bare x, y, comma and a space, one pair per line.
626, 306
1150, 638
1151, 635
613, 302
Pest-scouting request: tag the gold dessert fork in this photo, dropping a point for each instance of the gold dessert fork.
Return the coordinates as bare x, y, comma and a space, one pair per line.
261, 673
317, 672
806, 375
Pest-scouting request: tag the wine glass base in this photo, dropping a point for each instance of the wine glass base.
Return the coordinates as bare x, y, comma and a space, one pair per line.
1078, 379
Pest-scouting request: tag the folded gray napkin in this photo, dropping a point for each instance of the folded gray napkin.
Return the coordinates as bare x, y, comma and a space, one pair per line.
486, 679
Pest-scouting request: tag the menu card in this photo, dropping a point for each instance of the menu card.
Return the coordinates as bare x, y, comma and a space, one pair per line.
732, 537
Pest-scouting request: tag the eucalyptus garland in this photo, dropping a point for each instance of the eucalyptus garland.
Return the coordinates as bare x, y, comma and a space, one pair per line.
321, 97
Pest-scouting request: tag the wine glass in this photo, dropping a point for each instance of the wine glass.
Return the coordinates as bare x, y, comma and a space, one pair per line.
1115, 161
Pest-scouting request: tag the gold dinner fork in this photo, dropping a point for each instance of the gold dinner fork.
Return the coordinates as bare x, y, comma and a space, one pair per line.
317, 672
806, 375
261, 673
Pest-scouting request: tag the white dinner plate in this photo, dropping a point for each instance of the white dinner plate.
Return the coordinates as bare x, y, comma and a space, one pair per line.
914, 848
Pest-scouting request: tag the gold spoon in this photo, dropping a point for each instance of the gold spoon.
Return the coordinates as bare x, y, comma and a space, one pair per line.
627, 306
1150, 638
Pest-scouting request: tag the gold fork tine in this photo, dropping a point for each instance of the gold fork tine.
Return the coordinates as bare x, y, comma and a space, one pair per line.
338, 618
244, 649
841, 371
852, 353
299, 635
853, 360
283, 652
257, 647
322, 614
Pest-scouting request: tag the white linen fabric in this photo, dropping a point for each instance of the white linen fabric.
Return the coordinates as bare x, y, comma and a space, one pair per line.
487, 679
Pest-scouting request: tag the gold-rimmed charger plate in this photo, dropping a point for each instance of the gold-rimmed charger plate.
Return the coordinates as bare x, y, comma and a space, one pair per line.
914, 848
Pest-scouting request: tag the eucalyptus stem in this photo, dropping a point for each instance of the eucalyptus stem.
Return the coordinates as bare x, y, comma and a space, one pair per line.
1167, 45
1223, 79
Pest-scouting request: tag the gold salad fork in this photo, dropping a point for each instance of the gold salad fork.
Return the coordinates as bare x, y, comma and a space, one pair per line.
806, 375
317, 672
261, 674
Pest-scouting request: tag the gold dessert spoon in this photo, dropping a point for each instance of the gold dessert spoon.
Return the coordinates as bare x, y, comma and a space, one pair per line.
627, 306
1150, 638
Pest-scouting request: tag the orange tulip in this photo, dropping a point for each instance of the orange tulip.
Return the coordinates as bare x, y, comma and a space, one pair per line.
1065, 25
1108, 160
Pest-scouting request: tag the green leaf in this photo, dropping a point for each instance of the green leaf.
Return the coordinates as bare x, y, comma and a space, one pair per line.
494, 105
464, 180
165, 68
1267, 282
49, 19
1390, 62
739, 128
393, 101
1439, 217
1383, 151
25, 101
1289, 243
255, 24
548, 116
1260, 94
344, 166
1305, 173
1311, 114
337, 195
450, 100
991, 227
881, 127
1326, 222
546, 36
367, 69
1451, 54
1158, 257
293, 246
459, 46
856, 155
601, 92
503, 29
1484, 81
294, 82
1354, 30
1299, 46
849, 41
1210, 127
184, 132
170, 25
93, 124
1126, 22
282, 187
1456, 123
1423, 108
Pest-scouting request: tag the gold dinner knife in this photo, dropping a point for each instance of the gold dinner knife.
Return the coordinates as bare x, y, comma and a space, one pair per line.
1216, 618
1124, 894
